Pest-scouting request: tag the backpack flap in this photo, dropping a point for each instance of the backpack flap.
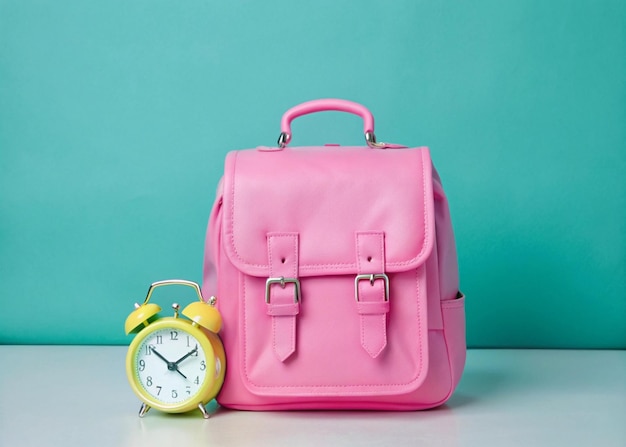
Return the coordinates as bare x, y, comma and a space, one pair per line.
330, 243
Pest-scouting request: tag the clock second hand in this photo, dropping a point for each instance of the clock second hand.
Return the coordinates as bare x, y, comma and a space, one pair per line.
170, 365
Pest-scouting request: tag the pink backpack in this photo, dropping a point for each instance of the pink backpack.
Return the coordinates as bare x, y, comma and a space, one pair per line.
336, 275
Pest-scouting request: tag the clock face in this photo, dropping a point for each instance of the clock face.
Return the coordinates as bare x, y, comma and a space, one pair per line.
171, 366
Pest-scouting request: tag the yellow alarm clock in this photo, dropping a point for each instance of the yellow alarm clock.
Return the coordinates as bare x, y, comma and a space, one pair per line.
175, 364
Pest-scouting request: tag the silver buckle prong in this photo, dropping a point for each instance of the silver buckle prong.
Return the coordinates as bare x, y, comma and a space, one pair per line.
371, 278
283, 282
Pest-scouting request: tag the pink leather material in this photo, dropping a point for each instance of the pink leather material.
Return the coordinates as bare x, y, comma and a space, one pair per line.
324, 215
372, 304
283, 307
377, 308
343, 192
330, 360
330, 104
392, 146
384, 145
281, 310
454, 323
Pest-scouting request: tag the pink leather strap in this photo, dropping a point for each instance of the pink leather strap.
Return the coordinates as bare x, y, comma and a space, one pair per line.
283, 303
323, 105
330, 104
372, 299
372, 308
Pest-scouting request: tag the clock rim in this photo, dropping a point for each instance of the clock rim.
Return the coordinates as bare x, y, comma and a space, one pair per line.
203, 395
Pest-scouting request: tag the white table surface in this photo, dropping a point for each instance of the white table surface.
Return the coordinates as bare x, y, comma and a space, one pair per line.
78, 396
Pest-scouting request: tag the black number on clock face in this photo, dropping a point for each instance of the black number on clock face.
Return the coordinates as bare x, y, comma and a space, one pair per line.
174, 336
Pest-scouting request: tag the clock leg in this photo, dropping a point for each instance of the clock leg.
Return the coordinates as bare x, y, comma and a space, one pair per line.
202, 408
143, 410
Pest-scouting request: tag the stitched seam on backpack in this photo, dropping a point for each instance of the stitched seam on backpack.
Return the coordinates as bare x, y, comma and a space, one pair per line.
420, 361
315, 267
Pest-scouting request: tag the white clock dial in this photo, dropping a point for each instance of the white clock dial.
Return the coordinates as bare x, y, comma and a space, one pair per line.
171, 365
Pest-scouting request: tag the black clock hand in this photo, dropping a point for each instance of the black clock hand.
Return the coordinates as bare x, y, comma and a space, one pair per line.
170, 365
193, 351
160, 356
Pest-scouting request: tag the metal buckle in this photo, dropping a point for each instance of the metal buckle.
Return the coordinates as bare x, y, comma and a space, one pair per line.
371, 278
283, 282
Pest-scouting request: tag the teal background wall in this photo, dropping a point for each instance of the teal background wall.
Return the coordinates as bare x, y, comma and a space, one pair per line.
115, 118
